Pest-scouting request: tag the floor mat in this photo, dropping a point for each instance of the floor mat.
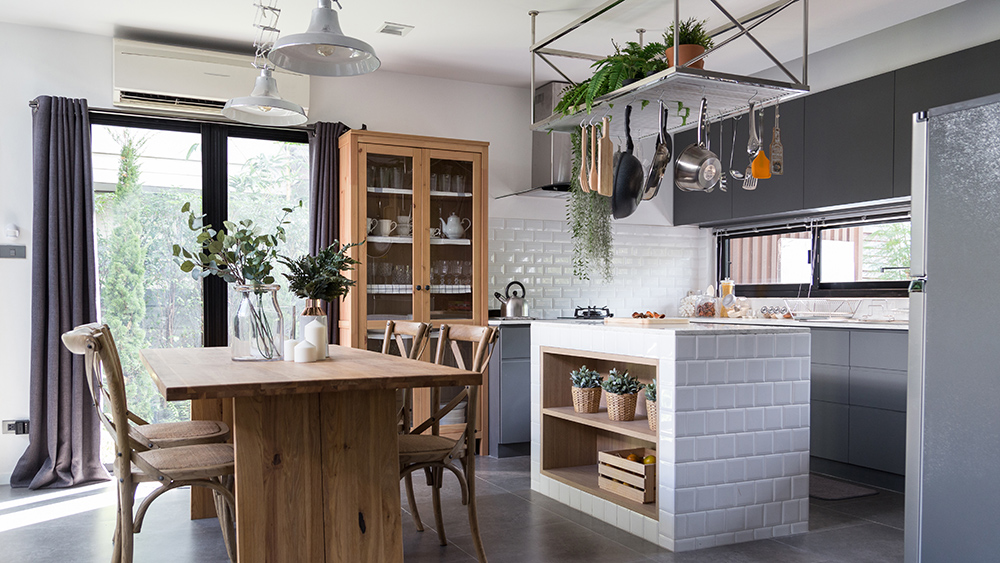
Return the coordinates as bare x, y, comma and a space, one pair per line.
825, 488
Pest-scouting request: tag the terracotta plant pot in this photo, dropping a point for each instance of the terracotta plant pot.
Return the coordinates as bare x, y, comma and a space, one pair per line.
652, 415
622, 407
586, 399
684, 54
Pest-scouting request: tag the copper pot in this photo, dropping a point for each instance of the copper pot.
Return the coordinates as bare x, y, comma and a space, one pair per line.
313, 308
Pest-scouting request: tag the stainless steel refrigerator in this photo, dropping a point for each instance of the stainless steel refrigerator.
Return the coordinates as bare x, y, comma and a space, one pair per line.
953, 391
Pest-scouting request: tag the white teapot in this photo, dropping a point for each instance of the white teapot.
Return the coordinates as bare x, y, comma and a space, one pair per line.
454, 227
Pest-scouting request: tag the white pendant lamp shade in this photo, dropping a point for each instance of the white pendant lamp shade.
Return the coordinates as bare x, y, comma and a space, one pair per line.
264, 105
324, 50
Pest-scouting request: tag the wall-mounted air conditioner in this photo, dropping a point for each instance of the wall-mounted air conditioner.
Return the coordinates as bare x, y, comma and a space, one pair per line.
169, 79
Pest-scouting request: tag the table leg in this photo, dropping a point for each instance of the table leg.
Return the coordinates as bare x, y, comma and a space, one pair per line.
317, 478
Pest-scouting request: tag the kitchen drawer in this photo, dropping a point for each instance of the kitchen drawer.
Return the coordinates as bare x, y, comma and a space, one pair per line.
515, 342
878, 439
515, 401
831, 383
878, 388
882, 349
829, 430
831, 346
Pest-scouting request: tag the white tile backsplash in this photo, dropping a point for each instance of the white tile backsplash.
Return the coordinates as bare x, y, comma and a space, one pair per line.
654, 267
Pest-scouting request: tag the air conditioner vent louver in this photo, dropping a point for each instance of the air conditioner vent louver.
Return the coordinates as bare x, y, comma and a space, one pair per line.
159, 100
397, 29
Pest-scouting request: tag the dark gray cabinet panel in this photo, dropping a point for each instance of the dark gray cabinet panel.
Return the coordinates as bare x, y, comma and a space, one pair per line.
778, 193
516, 342
882, 349
831, 383
831, 346
849, 143
693, 208
878, 388
515, 402
829, 430
878, 439
510, 392
952, 78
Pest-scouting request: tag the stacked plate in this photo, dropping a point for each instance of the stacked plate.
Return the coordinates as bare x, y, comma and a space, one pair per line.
456, 416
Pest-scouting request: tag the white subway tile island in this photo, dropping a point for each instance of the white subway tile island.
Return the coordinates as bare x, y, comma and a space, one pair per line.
733, 428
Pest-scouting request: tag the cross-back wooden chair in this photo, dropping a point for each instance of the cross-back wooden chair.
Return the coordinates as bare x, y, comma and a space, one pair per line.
435, 452
203, 465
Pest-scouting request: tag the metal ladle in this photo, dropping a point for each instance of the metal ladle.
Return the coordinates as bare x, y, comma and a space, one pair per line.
733, 173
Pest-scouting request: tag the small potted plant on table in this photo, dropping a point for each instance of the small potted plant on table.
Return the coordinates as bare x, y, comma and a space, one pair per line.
319, 278
692, 40
652, 414
586, 390
623, 392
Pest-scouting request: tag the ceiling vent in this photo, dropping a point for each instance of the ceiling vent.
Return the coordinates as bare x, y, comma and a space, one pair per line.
397, 29
179, 80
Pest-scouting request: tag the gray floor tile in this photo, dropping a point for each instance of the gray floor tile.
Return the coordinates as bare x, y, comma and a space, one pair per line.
866, 543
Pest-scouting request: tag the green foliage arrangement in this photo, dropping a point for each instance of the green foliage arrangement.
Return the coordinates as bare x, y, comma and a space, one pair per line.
240, 253
651, 391
689, 32
628, 63
585, 378
589, 217
621, 383
319, 277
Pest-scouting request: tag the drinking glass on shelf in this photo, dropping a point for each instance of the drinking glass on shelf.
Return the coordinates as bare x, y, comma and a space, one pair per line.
373, 179
458, 183
384, 272
434, 182
437, 274
467, 272
446, 182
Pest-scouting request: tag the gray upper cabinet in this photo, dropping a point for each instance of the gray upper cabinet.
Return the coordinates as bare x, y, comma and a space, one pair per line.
778, 193
849, 143
693, 208
945, 80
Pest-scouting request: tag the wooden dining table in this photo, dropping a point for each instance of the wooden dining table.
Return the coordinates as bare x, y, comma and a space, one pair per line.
317, 468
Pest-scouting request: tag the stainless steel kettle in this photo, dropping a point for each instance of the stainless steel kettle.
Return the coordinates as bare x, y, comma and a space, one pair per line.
515, 306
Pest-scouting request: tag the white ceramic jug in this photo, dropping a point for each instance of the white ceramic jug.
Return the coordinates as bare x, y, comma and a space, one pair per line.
455, 227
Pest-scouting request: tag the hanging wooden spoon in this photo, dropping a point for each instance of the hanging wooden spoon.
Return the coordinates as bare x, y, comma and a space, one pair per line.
594, 178
761, 166
606, 160
584, 174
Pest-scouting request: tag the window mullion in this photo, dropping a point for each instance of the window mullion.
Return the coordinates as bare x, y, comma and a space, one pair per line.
215, 203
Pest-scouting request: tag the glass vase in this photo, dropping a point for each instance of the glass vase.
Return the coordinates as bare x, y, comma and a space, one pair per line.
258, 326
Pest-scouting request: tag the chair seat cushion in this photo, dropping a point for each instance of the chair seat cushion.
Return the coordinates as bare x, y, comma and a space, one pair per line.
191, 462
416, 448
185, 433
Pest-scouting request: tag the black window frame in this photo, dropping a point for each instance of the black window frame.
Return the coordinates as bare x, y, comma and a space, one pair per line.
816, 288
214, 190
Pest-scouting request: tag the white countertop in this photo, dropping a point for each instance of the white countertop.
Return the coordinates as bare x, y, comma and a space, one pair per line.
849, 323
682, 328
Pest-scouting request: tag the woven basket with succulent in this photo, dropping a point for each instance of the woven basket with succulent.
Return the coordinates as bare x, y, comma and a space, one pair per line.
623, 392
652, 414
586, 390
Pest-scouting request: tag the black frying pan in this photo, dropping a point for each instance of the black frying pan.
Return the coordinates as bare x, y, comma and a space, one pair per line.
628, 177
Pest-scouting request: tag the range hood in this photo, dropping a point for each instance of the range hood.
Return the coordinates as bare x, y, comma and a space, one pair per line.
551, 153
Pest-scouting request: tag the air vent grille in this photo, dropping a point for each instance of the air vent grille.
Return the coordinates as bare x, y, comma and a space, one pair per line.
159, 100
397, 29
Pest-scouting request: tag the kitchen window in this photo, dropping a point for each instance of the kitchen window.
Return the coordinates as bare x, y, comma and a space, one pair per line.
852, 256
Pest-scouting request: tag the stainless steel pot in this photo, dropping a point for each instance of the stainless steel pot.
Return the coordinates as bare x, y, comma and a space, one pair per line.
698, 169
515, 306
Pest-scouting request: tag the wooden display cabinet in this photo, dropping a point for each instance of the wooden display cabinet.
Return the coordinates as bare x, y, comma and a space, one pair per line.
571, 440
417, 273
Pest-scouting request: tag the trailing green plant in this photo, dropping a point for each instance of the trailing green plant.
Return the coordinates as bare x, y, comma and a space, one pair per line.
627, 63
239, 253
621, 383
319, 277
589, 217
585, 378
651, 391
689, 32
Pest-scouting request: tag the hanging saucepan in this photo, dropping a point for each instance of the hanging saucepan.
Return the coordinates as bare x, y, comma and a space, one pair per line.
697, 168
628, 177
661, 158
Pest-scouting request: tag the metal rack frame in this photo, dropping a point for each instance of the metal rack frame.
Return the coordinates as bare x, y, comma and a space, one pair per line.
728, 94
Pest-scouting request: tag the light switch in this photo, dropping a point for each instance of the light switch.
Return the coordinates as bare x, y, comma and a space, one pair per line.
13, 251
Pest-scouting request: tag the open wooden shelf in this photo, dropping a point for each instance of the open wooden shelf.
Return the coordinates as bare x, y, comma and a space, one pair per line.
584, 477
638, 428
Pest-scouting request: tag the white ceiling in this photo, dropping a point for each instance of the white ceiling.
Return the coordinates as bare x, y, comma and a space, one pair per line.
475, 40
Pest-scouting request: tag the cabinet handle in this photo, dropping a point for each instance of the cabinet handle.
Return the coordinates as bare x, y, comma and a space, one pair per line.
417, 287
427, 287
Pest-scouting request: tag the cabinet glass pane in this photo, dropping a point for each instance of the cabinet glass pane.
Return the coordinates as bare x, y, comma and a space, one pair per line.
389, 250
450, 244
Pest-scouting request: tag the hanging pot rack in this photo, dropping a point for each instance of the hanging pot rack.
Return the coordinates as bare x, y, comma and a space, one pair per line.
680, 86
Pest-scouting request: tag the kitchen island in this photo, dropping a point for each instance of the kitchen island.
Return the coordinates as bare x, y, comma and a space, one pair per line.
732, 445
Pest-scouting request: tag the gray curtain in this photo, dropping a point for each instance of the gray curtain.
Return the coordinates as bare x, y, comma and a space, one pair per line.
324, 199
64, 448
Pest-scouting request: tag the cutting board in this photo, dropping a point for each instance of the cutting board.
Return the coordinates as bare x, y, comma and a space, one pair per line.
629, 321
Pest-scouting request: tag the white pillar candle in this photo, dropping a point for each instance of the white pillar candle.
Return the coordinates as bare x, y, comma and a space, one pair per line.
316, 335
290, 350
305, 352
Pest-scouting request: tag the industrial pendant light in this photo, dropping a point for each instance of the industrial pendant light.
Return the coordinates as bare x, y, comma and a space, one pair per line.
264, 105
324, 50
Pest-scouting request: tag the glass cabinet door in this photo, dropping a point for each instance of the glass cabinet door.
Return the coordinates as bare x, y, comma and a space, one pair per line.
452, 211
389, 250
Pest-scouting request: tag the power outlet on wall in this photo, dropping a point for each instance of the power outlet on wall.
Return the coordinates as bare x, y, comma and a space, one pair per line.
15, 426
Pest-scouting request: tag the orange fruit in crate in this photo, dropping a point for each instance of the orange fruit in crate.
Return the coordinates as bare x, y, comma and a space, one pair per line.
633, 457
649, 460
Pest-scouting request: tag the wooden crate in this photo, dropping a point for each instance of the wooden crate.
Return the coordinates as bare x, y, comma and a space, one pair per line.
633, 480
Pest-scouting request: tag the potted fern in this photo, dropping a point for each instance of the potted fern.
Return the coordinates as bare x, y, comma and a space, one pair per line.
692, 40
652, 415
626, 65
623, 392
318, 278
586, 390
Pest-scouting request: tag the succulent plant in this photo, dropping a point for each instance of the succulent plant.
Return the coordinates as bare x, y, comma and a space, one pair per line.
621, 383
651, 391
585, 378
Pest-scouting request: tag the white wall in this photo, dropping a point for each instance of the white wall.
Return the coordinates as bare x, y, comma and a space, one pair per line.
46, 62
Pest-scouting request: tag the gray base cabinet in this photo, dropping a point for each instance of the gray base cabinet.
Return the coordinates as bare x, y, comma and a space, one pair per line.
510, 392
